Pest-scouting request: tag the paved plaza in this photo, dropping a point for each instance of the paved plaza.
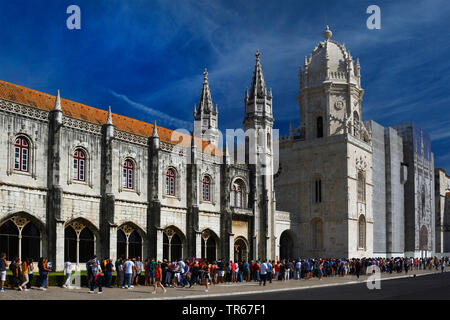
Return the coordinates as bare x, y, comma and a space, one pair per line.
249, 290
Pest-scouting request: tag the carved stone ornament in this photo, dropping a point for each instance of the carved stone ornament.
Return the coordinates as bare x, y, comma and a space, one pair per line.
206, 234
78, 226
361, 164
169, 232
127, 229
338, 105
20, 222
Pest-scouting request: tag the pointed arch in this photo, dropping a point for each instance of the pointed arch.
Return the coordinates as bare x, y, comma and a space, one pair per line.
21, 235
80, 236
209, 245
173, 243
130, 240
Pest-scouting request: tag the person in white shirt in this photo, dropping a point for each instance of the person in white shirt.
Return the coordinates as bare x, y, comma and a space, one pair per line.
68, 271
298, 266
263, 272
129, 267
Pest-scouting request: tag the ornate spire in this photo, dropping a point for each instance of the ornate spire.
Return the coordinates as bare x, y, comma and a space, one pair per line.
58, 102
109, 119
155, 131
205, 104
258, 84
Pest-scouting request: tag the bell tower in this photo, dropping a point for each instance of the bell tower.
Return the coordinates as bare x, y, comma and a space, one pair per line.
330, 91
258, 124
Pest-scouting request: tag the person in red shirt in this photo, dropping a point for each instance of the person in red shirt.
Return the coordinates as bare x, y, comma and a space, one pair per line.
252, 274
158, 276
233, 271
277, 270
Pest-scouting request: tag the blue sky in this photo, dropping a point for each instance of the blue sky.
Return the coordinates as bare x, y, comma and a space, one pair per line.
146, 58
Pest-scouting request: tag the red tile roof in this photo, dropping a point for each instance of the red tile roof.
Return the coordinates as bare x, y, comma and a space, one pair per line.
45, 101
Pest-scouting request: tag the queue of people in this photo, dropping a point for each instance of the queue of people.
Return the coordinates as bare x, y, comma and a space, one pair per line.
188, 272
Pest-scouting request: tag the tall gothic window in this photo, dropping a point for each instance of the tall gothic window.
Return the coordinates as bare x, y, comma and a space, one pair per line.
362, 232
21, 154
128, 175
79, 165
170, 182
318, 190
237, 194
361, 187
319, 127
206, 189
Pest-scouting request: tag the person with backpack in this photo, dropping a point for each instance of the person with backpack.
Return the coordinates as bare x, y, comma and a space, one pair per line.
15, 270
90, 277
43, 273
97, 278
151, 269
3, 266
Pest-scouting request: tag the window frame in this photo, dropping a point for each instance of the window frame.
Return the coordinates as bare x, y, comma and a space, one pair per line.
20, 154
128, 175
171, 182
78, 160
206, 188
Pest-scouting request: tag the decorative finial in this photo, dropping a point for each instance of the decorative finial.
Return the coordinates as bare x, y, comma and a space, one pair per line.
205, 75
257, 54
57, 102
155, 131
327, 34
109, 119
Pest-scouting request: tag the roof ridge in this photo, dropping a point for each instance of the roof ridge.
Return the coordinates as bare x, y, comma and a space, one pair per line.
95, 115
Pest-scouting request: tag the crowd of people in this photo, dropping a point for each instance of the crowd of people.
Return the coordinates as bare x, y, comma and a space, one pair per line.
192, 271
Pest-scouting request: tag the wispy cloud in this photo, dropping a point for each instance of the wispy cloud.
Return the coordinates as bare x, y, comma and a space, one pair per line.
162, 117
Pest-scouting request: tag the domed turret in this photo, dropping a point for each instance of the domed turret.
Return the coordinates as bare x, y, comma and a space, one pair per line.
330, 91
329, 61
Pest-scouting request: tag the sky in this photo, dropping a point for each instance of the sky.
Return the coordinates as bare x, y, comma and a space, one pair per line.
146, 58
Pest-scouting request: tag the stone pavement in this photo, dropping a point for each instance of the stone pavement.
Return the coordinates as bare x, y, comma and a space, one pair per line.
227, 291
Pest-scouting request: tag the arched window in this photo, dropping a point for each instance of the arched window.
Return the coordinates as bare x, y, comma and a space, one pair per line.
31, 242
206, 189
170, 182
79, 165
362, 232
356, 124
79, 243
9, 240
237, 194
317, 234
269, 140
21, 154
318, 190
361, 187
128, 175
129, 244
319, 127
19, 237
